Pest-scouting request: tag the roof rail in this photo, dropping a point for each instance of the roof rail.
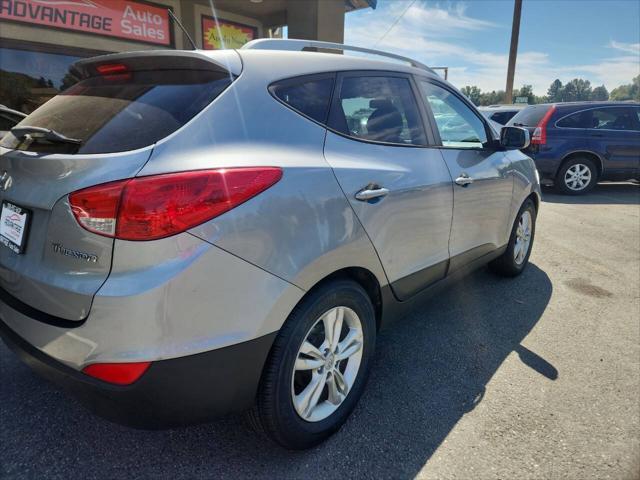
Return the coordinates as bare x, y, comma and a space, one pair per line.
301, 45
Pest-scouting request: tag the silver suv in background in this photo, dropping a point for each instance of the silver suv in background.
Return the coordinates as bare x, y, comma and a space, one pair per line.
187, 234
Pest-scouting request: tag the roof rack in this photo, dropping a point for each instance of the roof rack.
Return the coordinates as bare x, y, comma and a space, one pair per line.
301, 45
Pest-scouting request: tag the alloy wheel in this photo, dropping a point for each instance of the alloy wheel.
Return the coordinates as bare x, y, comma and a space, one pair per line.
327, 364
523, 237
577, 177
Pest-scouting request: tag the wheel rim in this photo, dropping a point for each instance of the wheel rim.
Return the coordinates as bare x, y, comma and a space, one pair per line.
577, 177
523, 237
327, 364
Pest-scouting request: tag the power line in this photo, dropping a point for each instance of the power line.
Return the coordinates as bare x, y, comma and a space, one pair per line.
394, 23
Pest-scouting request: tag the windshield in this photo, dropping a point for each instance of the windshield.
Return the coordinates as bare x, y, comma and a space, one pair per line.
116, 113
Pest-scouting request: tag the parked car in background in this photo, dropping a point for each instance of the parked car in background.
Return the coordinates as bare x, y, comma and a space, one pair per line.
501, 114
9, 118
227, 230
574, 145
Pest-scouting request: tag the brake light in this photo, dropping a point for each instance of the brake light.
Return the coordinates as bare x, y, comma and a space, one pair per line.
117, 373
158, 206
112, 68
539, 136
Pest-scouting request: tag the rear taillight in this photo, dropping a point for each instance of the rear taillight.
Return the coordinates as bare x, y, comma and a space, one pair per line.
117, 373
539, 136
158, 206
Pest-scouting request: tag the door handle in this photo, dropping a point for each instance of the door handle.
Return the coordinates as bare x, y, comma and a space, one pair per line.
370, 192
464, 179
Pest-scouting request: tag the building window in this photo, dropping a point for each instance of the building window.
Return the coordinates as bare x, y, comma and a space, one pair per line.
30, 78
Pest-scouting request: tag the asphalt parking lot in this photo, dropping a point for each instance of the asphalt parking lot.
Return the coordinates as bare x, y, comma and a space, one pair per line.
537, 377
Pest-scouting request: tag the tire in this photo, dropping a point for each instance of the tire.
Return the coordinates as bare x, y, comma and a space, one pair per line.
577, 176
276, 414
512, 262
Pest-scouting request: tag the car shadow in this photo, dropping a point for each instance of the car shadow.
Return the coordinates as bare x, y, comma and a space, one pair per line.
430, 370
618, 193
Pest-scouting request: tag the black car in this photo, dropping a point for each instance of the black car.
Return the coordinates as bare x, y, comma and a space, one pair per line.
574, 145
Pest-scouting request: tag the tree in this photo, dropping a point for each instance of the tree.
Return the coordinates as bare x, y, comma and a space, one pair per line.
569, 93
472, 93
582, 89
525, 91
492, 97
600, 93
627, 92
554, 93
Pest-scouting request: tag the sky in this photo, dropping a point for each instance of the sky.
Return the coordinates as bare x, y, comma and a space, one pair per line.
598, 40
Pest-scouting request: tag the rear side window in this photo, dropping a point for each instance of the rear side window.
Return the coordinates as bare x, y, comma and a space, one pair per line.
378, 108
116, 113
577, 120
309, 96
530, 116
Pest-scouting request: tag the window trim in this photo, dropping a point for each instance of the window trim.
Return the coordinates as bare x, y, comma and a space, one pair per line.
591, 128
300, 79
491, 141
378, 73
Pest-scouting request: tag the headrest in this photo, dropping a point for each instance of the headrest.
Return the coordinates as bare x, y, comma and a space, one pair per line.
381, 103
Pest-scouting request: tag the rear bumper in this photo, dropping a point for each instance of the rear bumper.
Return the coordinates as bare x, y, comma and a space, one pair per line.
180, 391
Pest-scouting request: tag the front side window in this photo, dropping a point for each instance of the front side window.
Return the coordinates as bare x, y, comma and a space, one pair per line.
619, 118
458, 125
379, 109
310, 97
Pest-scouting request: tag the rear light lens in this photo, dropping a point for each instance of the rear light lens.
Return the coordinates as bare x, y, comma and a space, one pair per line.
117, 373
158, 206
539, 136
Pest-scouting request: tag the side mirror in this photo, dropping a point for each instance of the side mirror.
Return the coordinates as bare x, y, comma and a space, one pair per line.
513, 138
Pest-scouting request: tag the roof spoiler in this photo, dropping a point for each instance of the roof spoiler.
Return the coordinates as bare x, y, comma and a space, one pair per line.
149, 60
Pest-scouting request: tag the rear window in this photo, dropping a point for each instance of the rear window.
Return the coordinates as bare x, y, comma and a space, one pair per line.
309, 96
116, 113
530, 116
503, 117
582, 119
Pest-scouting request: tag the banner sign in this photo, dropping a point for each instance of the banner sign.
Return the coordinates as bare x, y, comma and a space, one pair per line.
128, 19
225, 34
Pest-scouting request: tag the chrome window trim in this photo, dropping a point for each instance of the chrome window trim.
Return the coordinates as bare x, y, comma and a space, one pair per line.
595, 108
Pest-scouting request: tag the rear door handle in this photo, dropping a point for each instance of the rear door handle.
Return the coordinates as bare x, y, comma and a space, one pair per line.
370, 192
463, 180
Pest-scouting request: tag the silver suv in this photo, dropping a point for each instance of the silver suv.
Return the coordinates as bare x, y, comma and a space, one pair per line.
187, 234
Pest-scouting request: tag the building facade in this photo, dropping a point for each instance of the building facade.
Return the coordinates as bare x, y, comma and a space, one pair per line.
39, 39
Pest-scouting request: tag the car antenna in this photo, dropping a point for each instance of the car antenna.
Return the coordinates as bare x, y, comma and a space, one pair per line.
184, 30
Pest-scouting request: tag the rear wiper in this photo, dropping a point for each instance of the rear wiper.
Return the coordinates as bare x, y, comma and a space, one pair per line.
35, 133
520, 124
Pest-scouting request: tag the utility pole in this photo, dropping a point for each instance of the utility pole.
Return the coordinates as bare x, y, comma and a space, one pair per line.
513, 50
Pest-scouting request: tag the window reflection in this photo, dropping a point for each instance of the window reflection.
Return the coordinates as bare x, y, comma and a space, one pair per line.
29, 78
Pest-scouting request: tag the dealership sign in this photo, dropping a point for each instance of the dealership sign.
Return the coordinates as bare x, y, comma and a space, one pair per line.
126, 19
219, 34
